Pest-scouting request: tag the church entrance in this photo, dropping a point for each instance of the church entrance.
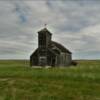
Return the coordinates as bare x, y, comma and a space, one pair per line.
42, 61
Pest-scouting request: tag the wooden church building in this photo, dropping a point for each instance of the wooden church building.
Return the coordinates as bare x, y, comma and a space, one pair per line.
50, 53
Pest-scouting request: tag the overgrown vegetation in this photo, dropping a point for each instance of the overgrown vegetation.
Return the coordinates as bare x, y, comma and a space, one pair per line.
20, 82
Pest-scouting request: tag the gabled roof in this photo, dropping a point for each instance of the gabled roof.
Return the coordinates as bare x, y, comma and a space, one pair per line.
61, 47
34, 53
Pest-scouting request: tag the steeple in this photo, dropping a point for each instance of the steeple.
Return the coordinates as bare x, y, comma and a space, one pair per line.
44, 38
45, 30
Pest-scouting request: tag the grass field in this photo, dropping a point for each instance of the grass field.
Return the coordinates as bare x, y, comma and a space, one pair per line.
20, 82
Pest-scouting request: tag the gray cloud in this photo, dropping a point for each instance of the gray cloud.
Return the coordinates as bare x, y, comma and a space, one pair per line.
74, 23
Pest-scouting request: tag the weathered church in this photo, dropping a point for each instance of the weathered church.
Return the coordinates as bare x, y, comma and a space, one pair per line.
50, 53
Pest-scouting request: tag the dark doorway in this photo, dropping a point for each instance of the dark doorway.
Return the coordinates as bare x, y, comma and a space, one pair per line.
53, 62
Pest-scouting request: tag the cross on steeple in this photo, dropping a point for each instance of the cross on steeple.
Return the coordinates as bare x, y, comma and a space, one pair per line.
45, 25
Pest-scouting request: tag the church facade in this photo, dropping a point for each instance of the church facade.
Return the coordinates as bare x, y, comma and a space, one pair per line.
50, 53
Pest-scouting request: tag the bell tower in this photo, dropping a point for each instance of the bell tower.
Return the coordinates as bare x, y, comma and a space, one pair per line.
44, 39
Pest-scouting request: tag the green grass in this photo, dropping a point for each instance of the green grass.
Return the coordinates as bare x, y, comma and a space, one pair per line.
20, 82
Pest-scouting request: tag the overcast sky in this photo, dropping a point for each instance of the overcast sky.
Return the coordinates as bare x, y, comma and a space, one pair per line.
74, 23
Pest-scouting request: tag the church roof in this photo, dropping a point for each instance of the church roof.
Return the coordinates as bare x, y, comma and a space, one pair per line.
44, 30
61, 47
